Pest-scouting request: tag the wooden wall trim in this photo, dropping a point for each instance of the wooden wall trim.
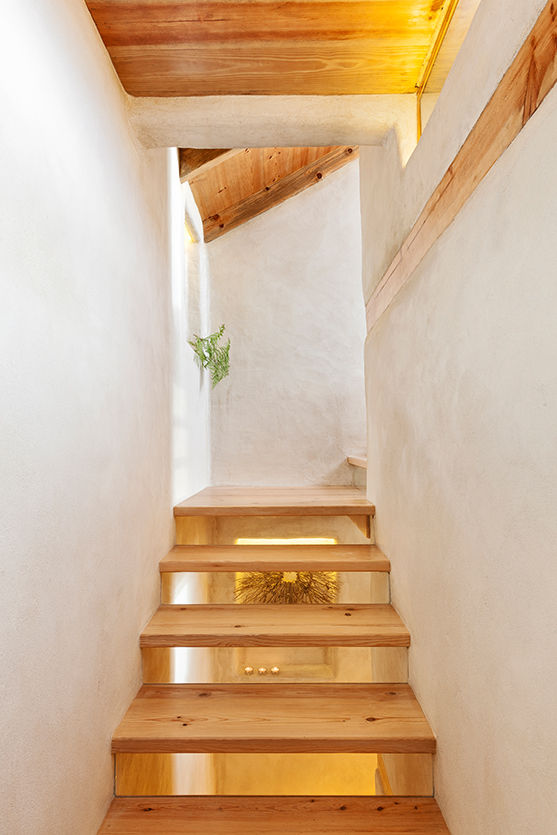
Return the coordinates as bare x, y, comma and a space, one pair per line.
520, 92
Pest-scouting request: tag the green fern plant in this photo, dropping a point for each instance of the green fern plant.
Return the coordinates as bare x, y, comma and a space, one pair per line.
209, 354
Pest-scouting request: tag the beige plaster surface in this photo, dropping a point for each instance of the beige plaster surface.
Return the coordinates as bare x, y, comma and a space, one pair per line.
87, 273
287, 285
269, 121
396, 190
462, 462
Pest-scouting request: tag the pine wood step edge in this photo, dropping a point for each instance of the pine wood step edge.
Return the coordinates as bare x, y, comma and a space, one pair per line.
252, 625
277, 718
337, 815
276, 501
275, 558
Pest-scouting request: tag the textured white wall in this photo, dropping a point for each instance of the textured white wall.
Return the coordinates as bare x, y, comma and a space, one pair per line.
190, 312
85, 420
264, 121
462, 409
287, 284
402, 192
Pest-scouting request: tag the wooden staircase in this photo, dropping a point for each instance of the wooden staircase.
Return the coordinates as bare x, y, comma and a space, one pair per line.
276, 717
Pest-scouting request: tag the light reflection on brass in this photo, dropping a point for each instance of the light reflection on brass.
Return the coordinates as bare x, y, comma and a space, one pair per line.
259, 774
194, 665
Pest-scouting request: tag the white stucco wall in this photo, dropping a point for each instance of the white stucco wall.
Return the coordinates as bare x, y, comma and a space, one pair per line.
86, 415
267, 121
287, 285
462, 409
497, 32
191, 424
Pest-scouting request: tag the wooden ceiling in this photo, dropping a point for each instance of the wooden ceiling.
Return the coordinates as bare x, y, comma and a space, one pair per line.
225, 47
465, 11
236, 185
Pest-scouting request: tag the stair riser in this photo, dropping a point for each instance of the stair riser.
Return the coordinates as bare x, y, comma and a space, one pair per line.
197, 665
223, 529
273, 774
219, 587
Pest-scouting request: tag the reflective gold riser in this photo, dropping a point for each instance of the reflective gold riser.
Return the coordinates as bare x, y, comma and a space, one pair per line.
274, 774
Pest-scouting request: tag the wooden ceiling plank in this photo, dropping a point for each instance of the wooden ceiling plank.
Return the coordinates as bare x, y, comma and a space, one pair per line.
238, 178
217, 47
196, 160
147, 22
344, 67
217, 224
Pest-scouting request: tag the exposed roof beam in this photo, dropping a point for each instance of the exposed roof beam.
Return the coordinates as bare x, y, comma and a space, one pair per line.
216, 225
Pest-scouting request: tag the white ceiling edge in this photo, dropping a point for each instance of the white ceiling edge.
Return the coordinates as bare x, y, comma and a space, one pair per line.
270, 121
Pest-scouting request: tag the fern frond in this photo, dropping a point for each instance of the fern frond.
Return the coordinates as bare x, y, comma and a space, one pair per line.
209, 354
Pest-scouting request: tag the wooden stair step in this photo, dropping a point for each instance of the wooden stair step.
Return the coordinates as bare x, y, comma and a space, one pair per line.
274, 816
295, 718
276, 501
275, 558
235, 625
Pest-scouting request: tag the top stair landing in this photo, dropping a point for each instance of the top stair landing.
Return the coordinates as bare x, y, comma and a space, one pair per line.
276, 501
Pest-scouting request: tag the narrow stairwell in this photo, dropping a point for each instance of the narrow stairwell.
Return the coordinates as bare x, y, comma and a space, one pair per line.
376, 713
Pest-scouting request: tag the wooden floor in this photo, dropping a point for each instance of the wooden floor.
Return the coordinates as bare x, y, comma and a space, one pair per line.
275, 558
294, 718
276, 501
234, 625
274, 816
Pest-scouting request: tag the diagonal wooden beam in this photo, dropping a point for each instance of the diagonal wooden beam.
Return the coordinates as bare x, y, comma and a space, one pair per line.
216, 225
528, 80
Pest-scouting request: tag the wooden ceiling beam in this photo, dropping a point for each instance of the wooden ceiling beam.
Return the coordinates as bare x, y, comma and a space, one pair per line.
217, 224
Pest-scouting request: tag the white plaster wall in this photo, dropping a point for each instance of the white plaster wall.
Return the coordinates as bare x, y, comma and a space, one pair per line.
190, 313
497, 32
267, 121
462, 465
85, 422
287, 285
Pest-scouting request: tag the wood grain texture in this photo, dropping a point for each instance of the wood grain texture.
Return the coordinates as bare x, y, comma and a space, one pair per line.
233, 625
276, 501
238, 176
274, 558
522, 89
215, 47
290, 177
274, 816
295, 718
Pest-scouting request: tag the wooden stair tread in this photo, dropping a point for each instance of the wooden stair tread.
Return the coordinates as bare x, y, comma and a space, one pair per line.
275, 558
276, 501
235, 625
176, 718
358, 461
273, 816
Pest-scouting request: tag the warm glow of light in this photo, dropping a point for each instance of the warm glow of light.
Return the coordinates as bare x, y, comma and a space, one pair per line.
297, 540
